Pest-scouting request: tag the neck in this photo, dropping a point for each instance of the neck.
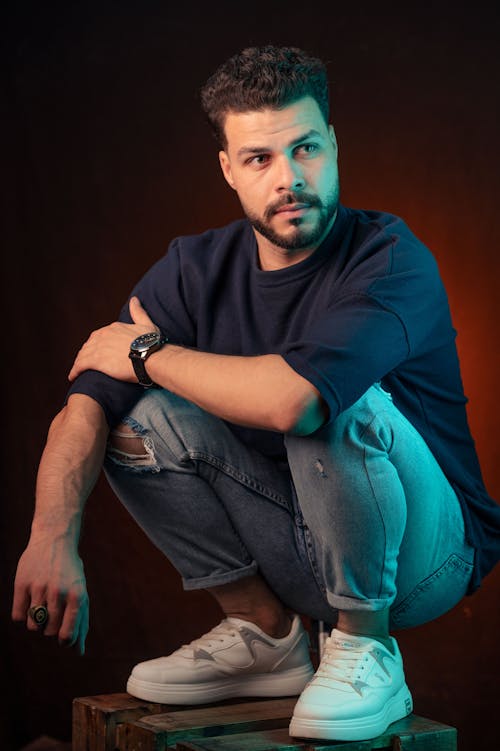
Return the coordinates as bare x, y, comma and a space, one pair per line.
272, 257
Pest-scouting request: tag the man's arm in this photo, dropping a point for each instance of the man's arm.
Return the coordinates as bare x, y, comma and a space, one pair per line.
259, 392
50, 570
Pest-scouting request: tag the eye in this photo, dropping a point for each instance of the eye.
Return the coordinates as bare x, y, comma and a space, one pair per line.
259, 160
307, 149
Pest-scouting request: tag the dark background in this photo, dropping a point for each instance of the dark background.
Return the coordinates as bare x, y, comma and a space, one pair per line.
106, 158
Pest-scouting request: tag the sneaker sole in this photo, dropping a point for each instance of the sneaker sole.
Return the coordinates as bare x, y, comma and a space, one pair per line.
357, 729
288, 683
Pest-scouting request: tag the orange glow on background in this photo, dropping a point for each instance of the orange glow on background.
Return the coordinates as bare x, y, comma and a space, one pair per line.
108, 158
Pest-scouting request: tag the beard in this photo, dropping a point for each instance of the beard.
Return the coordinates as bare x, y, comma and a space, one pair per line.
302, 236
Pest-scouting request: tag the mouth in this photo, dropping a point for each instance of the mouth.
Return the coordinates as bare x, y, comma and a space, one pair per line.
293, 209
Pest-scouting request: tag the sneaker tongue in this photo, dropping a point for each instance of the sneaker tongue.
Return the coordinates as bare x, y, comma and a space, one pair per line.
348, 641
241, 623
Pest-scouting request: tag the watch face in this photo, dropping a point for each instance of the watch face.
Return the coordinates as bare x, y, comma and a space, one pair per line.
144, 342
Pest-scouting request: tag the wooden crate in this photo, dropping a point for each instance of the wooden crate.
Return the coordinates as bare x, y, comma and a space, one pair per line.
205, 722
96, 718
118, 722
411, 734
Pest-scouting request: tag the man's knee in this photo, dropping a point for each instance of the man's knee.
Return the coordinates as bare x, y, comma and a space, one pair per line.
127, 446
369, 421
125, 439
162, 431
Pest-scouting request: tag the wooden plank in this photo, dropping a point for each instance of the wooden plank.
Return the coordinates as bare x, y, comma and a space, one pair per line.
162, 731
425, 735
119, 722
262, 740
95, 719
411, 734
270, 740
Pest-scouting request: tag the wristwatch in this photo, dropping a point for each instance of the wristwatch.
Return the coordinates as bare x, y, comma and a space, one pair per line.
140, 349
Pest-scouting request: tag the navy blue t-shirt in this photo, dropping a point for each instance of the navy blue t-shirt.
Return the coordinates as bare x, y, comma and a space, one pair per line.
368, 305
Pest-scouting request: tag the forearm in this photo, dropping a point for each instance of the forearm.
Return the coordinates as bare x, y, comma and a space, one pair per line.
69, 467
260, 392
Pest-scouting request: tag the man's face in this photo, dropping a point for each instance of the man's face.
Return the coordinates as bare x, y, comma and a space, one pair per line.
283, 165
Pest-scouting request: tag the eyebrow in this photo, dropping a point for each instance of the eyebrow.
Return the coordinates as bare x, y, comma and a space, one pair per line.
260, 149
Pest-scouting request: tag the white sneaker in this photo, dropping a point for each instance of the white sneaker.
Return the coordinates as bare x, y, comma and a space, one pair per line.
357, 691
236, 658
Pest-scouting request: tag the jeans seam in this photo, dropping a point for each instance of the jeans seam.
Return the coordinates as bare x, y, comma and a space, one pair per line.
241, 477
311, 554
384, 566
454, 561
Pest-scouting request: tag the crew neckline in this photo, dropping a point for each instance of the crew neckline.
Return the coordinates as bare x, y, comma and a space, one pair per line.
302, 268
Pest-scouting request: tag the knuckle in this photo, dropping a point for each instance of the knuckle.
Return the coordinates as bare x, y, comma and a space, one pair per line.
77, 596
54, 594
38, 595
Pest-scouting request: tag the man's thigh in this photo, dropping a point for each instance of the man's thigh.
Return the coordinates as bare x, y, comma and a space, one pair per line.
370, 472
183, 450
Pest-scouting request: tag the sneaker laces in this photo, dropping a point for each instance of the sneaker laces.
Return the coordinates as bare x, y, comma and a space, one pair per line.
216, 635
342, 664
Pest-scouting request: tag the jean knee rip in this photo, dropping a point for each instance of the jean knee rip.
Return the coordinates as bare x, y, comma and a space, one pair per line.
126, 457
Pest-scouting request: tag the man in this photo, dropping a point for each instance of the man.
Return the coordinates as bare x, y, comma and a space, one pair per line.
299, 443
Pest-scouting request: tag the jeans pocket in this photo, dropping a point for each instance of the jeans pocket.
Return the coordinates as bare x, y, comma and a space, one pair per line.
435, 595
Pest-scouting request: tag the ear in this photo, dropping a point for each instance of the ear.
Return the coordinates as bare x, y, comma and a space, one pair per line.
226, 168
333, 138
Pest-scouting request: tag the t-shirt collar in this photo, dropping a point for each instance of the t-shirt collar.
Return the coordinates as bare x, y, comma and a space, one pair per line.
309, 264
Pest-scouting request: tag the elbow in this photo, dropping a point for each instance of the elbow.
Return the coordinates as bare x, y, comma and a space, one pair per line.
305, 416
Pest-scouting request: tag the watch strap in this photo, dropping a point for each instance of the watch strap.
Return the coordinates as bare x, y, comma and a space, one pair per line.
139, 359
141, 372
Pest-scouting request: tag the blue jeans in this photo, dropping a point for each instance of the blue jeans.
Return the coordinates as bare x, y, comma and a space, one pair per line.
360, 517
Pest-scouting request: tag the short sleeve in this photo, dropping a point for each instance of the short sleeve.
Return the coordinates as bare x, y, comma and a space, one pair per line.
352, 346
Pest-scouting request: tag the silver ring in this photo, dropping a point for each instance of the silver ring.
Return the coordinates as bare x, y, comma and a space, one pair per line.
39, 614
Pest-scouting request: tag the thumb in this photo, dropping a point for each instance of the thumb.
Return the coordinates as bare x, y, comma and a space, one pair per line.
138, 313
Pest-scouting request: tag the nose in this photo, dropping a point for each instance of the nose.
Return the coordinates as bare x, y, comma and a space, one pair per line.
289, 175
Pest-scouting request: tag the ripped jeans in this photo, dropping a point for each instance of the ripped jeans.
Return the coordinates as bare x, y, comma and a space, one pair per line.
360, 517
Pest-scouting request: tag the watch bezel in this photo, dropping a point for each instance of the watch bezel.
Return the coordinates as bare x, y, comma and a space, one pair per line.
142, 344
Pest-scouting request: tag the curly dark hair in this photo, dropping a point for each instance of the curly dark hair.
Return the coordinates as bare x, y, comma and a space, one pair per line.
261, 77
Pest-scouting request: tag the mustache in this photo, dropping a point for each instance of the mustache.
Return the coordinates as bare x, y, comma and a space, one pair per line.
300, 197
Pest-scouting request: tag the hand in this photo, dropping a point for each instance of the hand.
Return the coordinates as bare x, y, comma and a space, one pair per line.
50, 573
107, 349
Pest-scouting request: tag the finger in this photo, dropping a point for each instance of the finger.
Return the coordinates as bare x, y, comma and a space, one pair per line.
82, 356
74, 368
56, 609
68, 632
20, 602
83, 631
79, 365
138, 313
66, 638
